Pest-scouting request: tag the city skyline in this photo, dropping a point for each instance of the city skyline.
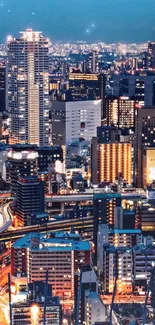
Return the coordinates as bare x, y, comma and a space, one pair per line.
109, 21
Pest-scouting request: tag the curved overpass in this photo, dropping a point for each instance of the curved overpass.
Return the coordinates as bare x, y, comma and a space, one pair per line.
6, 217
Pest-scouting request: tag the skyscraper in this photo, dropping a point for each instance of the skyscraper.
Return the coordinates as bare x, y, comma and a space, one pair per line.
145, 137
120, 111
111, 161
28, 88
93, 62
30, 198
151, 52
2, 86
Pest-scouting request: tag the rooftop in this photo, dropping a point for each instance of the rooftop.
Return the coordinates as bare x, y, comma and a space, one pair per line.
52, 242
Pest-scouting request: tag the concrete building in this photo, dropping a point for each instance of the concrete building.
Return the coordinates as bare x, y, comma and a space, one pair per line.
117, 263
116, 237
74, 120
95, 310
62, 254
28, 88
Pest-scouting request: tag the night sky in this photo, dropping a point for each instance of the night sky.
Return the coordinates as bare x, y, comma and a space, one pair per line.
90, 20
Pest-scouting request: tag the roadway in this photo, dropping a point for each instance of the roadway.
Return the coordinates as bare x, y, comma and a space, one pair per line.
63, 225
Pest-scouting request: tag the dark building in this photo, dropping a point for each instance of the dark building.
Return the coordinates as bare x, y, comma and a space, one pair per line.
145, 137
141, 85
129, 219
86, 86
151, 55
107, 134
105, 211
22, 161
2, 86
30, 199
48, 155
145, 219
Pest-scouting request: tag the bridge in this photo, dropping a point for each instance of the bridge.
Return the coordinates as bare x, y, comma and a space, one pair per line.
80, 196
79, 224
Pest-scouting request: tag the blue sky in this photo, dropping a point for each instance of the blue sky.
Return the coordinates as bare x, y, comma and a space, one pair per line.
90, 20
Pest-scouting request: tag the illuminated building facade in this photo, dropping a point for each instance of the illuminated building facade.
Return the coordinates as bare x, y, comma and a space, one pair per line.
145, 138
2, 86
110, 161
117, 262
22, 161
148, 166
32, 313
28, 88
61, 253
120, 111
145, 218
116, 237
30, 199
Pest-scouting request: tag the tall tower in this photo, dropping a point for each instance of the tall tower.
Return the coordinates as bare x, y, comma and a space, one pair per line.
28, 88
151, 52
93, 62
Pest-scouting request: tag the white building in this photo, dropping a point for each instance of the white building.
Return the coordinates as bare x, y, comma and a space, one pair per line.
94, 308
28, 88
74, 120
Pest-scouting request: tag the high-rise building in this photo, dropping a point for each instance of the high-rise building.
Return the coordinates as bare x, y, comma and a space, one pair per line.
141, 85
116, 237
93, 62
107, 210
22, 161
117, 262
86, 86
110, 161
63, 254
145, 138
2, 86
143, 257
30, 199
120, 111
28, 88
75, 120
151, 55
89, 308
